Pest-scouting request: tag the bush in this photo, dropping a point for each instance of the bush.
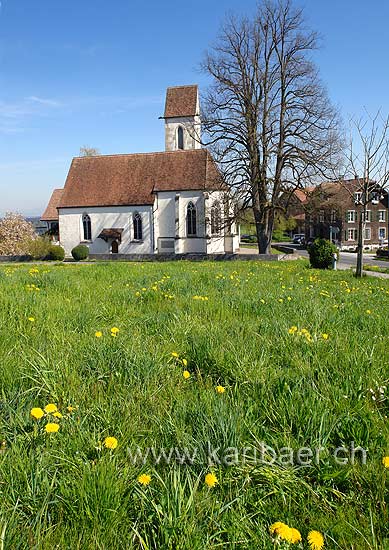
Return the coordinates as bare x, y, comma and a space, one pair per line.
56, 253
80, 252
321, 253
279, 236
38, 248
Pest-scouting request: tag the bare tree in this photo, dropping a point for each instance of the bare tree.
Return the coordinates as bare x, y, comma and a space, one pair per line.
368, 160
86, 151
267, 116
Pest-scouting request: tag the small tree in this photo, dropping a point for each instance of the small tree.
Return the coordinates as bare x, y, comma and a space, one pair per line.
15, 233
86, 151
368, 160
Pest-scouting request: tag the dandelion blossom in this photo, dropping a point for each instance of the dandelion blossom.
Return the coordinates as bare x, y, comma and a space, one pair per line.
70, 408
51, 408
211, 480
315, 540
325, 336
110, 442
98, 334
385, 461
114, 330
51, 428
31, 319
36, 413
184, 362
220, 389
57, 414
175, 354
144, 479
186, 374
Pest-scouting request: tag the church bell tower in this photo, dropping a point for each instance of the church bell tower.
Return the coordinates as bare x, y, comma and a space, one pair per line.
182, 118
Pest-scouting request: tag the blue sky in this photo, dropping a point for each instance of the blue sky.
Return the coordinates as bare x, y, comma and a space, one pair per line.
95, 72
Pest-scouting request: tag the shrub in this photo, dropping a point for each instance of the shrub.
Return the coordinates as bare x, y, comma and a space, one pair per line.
321, 253
56, 253
15, 231
38, 248
279, 236
80, 252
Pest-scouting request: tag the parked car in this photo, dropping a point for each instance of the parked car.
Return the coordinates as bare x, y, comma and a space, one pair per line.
299, 238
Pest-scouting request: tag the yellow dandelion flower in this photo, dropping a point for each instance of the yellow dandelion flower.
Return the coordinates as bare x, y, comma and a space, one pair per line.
114, 330
315, 540
51, 428
368, 311
211, 480
31, 319
262, 301
294, 535
144, 479
275, 527
110, 442
175, 354
280, 300
220, 389
385, 461
98, 334
57, 414
325, 336
184, 362
292, 329
70, 408
36, 413
51, 408
186, 374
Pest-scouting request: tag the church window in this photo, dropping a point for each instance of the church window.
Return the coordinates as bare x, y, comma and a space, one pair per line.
191, 221
87, 227
216, 221
137, 224
180, 137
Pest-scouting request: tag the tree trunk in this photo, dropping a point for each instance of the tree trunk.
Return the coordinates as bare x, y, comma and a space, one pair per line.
358, 271
263, 231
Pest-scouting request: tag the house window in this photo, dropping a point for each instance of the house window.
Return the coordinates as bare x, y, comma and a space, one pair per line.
333, 216
352, 235
216, 219
87, 227
137, 225
358, 197
321, 216
382, 233
191, 221
366, 216
180, 137
351, 216
367, 234
381, 215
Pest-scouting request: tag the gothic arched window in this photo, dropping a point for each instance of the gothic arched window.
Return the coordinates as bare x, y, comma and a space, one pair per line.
216, 219
180, 137
137, 224
191, 220
87, 227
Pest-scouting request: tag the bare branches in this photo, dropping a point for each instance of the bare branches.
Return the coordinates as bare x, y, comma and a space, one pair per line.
267, 116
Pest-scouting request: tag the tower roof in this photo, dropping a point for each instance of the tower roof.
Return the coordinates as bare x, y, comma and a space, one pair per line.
181, 101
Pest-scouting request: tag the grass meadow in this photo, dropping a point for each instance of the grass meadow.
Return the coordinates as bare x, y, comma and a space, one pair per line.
276, 354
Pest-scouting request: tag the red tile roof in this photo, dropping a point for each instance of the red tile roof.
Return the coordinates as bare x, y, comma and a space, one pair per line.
51, 212
181, 101
121, 180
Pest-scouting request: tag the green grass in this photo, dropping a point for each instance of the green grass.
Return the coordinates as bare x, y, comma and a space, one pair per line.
67, 491
376, 268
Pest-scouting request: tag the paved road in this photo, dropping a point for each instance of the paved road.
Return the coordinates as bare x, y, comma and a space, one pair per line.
349, 259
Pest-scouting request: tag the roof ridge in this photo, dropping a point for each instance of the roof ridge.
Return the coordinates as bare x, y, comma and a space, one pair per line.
179, 151
183, 86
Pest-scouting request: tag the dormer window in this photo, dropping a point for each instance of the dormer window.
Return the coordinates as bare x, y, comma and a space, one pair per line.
180, 137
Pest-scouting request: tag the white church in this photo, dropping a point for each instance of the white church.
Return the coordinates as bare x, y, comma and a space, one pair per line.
171, 202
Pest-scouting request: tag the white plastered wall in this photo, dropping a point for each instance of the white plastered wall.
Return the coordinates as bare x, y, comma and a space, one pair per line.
71, 229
